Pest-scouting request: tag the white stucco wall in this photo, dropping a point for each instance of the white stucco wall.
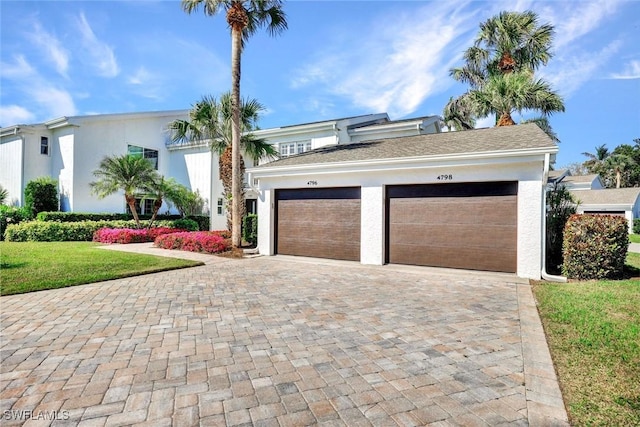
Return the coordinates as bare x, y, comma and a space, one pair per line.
11, 168
527, 172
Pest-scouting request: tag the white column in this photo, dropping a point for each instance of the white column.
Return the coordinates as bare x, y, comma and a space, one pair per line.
266, 228
372, 225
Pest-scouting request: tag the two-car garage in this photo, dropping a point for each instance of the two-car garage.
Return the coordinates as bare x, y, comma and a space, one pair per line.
462, 225
469, 200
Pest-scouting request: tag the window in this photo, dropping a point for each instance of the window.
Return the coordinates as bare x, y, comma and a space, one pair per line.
44, 145
291, 148
143, 207
220, 206
146, 153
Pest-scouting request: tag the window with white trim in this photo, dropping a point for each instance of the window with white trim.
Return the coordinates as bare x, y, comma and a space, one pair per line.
143, 206
290, 148
147, 153
44, 145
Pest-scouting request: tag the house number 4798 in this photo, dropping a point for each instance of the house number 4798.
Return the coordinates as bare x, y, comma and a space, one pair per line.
312, 183
445, 177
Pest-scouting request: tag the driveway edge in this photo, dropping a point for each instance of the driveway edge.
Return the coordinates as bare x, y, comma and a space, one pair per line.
545, 405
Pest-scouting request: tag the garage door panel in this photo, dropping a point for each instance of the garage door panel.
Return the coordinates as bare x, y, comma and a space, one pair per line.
480, 235
447, 210
324, 223
471, 226
452, 257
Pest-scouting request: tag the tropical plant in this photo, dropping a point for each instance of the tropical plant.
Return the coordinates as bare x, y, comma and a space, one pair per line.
187, 202
596, 160
560, 206
159, 188
131, 174
499, 69
244, 17
617, 164
4, 195
41, 195
210, 119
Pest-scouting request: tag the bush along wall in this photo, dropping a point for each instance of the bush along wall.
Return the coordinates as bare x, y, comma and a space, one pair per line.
595, 247
250, 229
636, 226
10, 215
201, 220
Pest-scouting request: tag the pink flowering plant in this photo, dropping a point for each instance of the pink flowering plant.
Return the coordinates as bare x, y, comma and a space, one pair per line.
210, 242
131, 235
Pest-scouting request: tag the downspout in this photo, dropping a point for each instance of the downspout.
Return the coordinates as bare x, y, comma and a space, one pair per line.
545, 176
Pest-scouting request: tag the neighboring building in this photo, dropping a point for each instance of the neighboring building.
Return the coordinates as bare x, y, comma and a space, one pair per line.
69, 149
593, 198
471, 200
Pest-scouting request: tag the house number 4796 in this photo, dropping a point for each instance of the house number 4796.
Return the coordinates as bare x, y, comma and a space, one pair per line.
312, 183
445, 177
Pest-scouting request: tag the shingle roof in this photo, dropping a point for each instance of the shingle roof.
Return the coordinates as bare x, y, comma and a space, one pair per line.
607, 196
580, 178
508, 138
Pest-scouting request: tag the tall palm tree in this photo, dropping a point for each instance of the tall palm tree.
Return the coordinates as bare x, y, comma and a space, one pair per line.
131, 174
211, 120
509, 43
244, 17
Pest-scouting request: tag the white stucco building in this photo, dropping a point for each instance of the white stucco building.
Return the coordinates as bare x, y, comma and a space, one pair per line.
472, 200
69, 149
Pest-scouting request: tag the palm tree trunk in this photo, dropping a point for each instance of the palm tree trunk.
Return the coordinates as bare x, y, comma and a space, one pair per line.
157, 204
505, 120
131, 202
618, 178
238, 20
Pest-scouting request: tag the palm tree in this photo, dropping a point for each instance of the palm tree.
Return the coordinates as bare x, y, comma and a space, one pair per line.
597, 159
130, 174
4, 195
504, 94
159, 189
618, 164
511, 43
244, 17
211, 120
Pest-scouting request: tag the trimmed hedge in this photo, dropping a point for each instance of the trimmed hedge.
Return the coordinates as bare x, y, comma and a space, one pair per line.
200, 241
636, 226
10, 215
201, 220
595, 247
39, 231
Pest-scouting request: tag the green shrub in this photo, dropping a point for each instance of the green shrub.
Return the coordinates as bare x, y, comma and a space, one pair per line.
636, 226
38, 231
202, 221
250, 229
41, 194
186, 224
595, 247
10, 215
560, 206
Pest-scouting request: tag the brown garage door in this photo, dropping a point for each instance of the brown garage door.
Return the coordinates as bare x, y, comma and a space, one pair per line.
319, 222
470, 225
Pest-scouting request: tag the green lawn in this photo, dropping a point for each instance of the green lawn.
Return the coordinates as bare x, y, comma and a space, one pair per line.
593, 330
35, 266
634, 238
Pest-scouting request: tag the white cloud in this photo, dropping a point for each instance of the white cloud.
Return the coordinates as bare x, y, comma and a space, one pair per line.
19, 69
51, 47
569, 73
100, 54
571, 24
631, 71
398, 65
14, 114
141, 76
57, 102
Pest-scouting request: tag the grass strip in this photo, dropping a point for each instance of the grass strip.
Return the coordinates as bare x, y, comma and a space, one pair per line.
593, 331
36, 266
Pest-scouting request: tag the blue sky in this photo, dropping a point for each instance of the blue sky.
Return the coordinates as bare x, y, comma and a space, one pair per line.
337, 59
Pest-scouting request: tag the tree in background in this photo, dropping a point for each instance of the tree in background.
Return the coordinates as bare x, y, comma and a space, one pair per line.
187, 202
41, 195
619, 168
596, 160
244, 17
499, 69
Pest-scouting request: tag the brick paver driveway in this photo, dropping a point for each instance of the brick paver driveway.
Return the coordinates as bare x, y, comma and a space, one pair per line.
277, 341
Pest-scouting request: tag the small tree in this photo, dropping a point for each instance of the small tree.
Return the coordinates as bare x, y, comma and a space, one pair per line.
560, 206
4, 195
186, 201
41, 195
